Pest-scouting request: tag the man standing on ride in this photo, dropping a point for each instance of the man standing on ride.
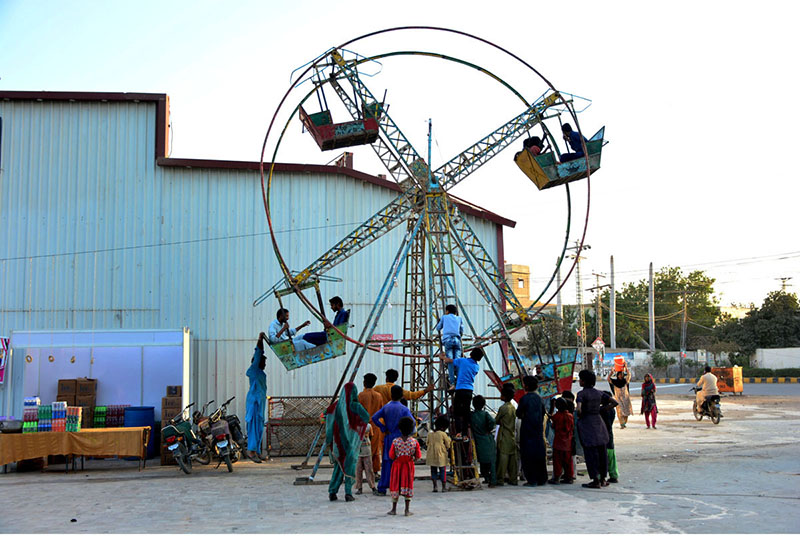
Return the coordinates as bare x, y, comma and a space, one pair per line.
256, 401
279, 331
708, 386
341, 317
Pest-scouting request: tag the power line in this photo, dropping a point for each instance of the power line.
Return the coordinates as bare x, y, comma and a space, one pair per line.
178, 243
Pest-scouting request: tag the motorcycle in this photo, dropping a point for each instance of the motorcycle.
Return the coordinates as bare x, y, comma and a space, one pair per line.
239, 439
180, 439
710, 408
216, 435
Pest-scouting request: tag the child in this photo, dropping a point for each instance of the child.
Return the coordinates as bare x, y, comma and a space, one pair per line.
438, 450
563, 425
404, 452
483, 433
506, 439
365, 462
451, 328
577, 448
608, 417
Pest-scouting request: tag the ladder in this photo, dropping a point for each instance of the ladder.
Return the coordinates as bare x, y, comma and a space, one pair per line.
464, 461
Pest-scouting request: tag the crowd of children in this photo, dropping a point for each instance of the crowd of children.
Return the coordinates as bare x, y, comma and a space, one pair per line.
372, 434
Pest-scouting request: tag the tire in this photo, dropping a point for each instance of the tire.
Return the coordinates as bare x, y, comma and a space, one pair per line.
228, 462
204, 458
184, 461
697, 414
714, 414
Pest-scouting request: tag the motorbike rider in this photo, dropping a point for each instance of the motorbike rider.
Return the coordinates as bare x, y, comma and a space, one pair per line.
708, 387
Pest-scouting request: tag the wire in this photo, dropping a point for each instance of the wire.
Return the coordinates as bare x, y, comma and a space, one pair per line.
178, 243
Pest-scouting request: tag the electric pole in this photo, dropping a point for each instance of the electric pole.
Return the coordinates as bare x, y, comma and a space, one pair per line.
683, 331
581, 320
651, 313
783, 281
612, 317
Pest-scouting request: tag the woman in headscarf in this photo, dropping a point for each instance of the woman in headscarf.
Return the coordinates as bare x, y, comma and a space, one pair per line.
649, 408
619, 386
345, 425
590, 404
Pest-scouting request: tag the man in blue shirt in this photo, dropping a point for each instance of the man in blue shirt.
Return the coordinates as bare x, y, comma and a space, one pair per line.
256, 402
341, 317
574, 140
391, 414
451, 328
466, 369
279, 330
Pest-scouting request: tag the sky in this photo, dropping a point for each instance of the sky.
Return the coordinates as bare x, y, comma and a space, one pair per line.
698, 100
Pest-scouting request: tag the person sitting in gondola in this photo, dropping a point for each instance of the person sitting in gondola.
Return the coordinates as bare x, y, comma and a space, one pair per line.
534, 144
279, 331
574, 140
318, 338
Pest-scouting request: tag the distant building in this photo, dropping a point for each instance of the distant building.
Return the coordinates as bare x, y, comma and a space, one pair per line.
736, 311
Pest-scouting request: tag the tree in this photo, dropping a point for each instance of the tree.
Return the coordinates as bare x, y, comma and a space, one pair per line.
670, 285
776, 324
550, 334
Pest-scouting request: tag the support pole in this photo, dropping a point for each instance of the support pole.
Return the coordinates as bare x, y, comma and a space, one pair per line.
612, 317
558, 293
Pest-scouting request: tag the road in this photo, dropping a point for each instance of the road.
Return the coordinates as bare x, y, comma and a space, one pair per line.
741, 476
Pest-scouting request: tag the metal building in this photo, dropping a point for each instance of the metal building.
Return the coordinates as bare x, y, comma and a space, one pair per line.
100, 230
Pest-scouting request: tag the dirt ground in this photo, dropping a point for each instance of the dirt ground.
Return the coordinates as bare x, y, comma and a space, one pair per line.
741, 476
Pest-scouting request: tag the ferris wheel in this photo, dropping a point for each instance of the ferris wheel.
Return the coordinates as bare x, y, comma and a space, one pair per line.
437, 240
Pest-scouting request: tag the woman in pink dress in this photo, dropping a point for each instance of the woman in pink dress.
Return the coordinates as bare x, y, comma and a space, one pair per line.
404, 452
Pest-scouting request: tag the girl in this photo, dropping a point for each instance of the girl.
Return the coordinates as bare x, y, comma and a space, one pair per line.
438, 449
590, 405
649, 408
619, 386
404, 451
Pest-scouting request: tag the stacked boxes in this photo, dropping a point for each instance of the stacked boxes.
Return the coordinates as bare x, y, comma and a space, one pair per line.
171, 406
73, 423
31, 415
86, 392
86, 417
58, 412
100, 416
115, 416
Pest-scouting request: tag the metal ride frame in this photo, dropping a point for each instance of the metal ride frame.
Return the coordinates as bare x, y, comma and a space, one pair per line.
437, 238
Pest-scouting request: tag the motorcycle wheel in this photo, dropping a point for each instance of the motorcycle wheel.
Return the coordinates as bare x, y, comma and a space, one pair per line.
697, 414
204, 458
183, 459
714, 414
228, 462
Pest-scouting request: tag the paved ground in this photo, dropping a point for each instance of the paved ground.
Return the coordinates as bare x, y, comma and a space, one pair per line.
737, 477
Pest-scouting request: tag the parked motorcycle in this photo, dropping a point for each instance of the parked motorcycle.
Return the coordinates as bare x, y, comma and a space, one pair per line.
239, 438
216, 435
180, 439
710, 408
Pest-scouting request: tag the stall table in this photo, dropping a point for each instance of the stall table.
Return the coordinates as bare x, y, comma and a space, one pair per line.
120, 442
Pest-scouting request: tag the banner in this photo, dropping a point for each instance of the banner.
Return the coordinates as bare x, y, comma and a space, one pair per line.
4, 351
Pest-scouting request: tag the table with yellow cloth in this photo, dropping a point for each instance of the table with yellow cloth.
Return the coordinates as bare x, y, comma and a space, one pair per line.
89, 442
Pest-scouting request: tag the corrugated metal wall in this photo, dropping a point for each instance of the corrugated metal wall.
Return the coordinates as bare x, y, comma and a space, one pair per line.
97, 236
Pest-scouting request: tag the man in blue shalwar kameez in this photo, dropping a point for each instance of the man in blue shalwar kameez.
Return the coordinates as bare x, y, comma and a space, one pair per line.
256, 401
279, 331
391, 414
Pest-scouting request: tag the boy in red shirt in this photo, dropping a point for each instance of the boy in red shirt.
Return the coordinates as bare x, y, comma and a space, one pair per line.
563, 424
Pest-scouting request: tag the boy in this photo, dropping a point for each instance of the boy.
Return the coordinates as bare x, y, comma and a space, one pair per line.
365, 462
451, 328
608, 417
466, 370
506, 440
483, 433
563, 424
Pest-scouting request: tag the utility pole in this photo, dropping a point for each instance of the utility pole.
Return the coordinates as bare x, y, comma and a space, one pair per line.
683, 331
651, 311
558, 293
783, 281
599, 316
581, 320
612, 317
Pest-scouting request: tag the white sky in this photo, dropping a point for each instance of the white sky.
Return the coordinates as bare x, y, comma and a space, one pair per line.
699, 101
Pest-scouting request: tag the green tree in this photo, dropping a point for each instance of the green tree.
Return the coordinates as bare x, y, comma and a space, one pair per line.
776, 324
550, 334
670, 285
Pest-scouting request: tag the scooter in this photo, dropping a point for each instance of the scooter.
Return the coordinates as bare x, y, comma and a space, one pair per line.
180, 440
710, 408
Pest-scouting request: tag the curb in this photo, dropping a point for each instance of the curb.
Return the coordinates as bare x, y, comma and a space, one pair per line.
744, 380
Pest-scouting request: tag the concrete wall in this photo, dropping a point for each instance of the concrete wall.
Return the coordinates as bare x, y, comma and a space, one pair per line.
776, 358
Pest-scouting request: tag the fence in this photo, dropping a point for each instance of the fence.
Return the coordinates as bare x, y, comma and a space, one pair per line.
293, 423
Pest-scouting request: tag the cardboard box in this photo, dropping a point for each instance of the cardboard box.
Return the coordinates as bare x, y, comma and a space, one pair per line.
172, 402
168, 413
174, 390
86, 400
69, 399
86, 386
67, 387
